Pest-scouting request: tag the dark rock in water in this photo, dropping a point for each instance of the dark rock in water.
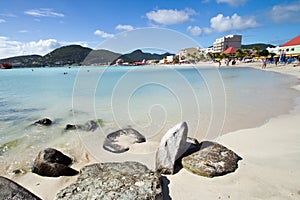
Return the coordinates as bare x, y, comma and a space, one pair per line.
129, 136
127, 180
43, 122
211, 160
12, 190
70, 127
53, 163
91, 125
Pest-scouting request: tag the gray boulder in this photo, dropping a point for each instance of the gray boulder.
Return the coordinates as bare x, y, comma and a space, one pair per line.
211, 160
11, 190
172, 146
127, 180
53, 163
121, 140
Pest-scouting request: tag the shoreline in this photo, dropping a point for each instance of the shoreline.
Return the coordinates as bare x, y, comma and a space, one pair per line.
255, 175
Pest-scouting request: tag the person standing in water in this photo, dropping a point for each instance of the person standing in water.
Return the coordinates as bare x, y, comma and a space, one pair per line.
264, 64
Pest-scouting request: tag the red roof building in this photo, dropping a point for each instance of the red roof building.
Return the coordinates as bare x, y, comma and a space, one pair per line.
292, 42
230, 50
291, 47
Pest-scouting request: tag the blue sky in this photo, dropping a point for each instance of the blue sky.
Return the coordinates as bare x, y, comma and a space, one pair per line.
39, 26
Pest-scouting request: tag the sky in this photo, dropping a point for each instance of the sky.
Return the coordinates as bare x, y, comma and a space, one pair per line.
39, 26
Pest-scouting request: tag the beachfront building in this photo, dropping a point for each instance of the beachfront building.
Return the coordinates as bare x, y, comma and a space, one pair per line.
221, 44
291, 48
274, 50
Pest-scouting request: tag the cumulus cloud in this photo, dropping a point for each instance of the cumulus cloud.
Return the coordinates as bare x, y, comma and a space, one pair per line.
124, 27
223, 23
286, 12
170, 17
194, 30
103, 34
2, 21
232, 2
9, 48
43, 12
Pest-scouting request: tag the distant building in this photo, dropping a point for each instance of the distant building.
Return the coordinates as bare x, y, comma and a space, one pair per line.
170, 59
189, 54
291, 47
221, 44
274, 50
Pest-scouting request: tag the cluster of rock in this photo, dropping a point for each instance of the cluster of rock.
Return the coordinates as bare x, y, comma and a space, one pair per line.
206, 158
90, 125
128, 180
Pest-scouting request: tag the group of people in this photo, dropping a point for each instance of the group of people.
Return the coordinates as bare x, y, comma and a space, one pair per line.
227, 61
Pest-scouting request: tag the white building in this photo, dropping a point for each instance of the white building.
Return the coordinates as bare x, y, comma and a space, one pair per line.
221, 44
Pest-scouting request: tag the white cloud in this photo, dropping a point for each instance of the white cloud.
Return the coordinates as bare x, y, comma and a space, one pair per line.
23, 31
170, 17
2, 21
8, 15
194, 30
207, 30
103, 34
221, 23
286, 12
124, 27
233, 2
9, 48
43, 12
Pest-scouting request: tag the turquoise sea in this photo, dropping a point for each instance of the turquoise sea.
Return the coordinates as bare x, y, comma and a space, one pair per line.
150, 99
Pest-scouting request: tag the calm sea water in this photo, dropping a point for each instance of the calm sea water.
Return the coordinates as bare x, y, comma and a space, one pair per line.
149, 99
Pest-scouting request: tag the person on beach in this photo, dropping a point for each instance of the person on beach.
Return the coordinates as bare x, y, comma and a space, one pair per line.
264, 64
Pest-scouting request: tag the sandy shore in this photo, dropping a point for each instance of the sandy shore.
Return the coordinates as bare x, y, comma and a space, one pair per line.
269, 169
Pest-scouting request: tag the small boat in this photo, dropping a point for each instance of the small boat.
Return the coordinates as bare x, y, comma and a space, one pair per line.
5, 66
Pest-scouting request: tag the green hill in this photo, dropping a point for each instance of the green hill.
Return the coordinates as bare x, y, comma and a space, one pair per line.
78, 55
67, 55
261, 46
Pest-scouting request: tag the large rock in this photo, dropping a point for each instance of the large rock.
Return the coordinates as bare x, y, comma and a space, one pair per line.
121, 140
211, 160
11, 190
172, 146
128, 180
53, 163
43, 122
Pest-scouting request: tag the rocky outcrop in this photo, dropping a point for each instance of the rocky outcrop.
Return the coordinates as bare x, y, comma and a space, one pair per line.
211, 160
172, 146
12, 190
121, 140
128, 180
43, 122
53, 163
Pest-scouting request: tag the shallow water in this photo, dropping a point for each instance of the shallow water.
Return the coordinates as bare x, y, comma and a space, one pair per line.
149, 99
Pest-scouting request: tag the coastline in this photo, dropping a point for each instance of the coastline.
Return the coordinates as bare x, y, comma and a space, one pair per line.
270, 165
270, 156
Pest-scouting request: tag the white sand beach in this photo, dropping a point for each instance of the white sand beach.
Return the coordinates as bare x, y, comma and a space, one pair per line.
269, 169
